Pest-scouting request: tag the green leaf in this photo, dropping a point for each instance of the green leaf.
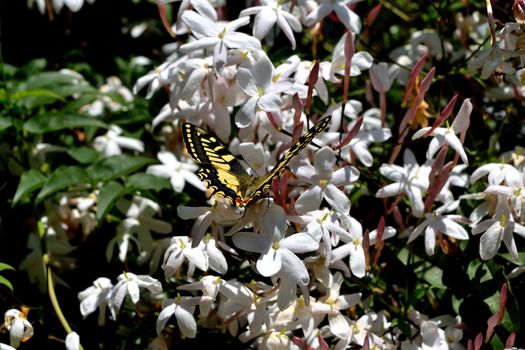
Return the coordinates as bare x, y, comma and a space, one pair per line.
63, 177
35, 98
29, 181
456, 303
57, 121
478, 271
5, 123
147, 182
84, 155
519, 262
109, 193
113, 167
493, 302
4, 266
403, 256
434, 276
45, 80
6, 283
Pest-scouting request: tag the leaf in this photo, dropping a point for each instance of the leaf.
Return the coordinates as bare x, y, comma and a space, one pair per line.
84, 155
4, 266
113, 167
509, 258
147, 182
35, 98
434, 276
478, 271
29, 181
58, 121
493, 302
6, 283
5, 123
63, 177
109, 193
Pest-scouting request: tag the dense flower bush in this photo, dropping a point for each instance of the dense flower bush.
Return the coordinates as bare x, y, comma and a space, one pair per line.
401, 225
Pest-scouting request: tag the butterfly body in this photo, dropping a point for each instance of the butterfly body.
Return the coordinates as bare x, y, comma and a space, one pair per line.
225, 175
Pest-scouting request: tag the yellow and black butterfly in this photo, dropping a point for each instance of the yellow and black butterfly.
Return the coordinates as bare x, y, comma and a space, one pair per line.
225, 175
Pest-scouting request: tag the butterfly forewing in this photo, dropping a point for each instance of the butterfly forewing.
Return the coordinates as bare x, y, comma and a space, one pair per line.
219, 169
301, 144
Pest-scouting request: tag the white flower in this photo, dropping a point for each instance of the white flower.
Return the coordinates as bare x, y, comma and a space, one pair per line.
269, 13
162, 75
497, 173
411, 179
499, 228
448, 134
111, 143
181, 250
336, 301
493, 60
95, 297
182, 308
72, 341
324, 182
209, 285
436, 223
238, 299
340, 7
6, 347
18, 326
139, 222
178, 172
277, 252
219, 212
361, 61
129, 283
113, 86
262, 92
220, 37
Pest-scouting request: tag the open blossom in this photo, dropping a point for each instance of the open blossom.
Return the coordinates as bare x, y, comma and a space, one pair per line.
217, 36
277, 251
448, 134
96, 296
411, 179
497, 229
436, 223
325, 182
129, 283
269, 13
263, 93
340, 7
181, 250
112, 142
178, 172
182, 308
138, 225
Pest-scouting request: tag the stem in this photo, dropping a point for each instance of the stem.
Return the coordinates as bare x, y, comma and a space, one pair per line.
53, 296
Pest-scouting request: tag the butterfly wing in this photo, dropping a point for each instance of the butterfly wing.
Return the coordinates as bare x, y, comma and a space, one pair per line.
219, 169
301, 144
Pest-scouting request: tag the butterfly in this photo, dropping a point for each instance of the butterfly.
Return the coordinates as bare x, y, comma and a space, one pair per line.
225, 175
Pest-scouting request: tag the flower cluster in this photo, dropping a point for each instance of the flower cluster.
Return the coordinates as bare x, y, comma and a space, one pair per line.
299, 269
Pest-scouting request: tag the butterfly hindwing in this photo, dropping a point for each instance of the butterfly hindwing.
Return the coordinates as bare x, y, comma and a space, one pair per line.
219, 169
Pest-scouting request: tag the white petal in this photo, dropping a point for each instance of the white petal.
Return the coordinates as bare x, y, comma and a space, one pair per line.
264, 21
269, 263
337, 199
186, 322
